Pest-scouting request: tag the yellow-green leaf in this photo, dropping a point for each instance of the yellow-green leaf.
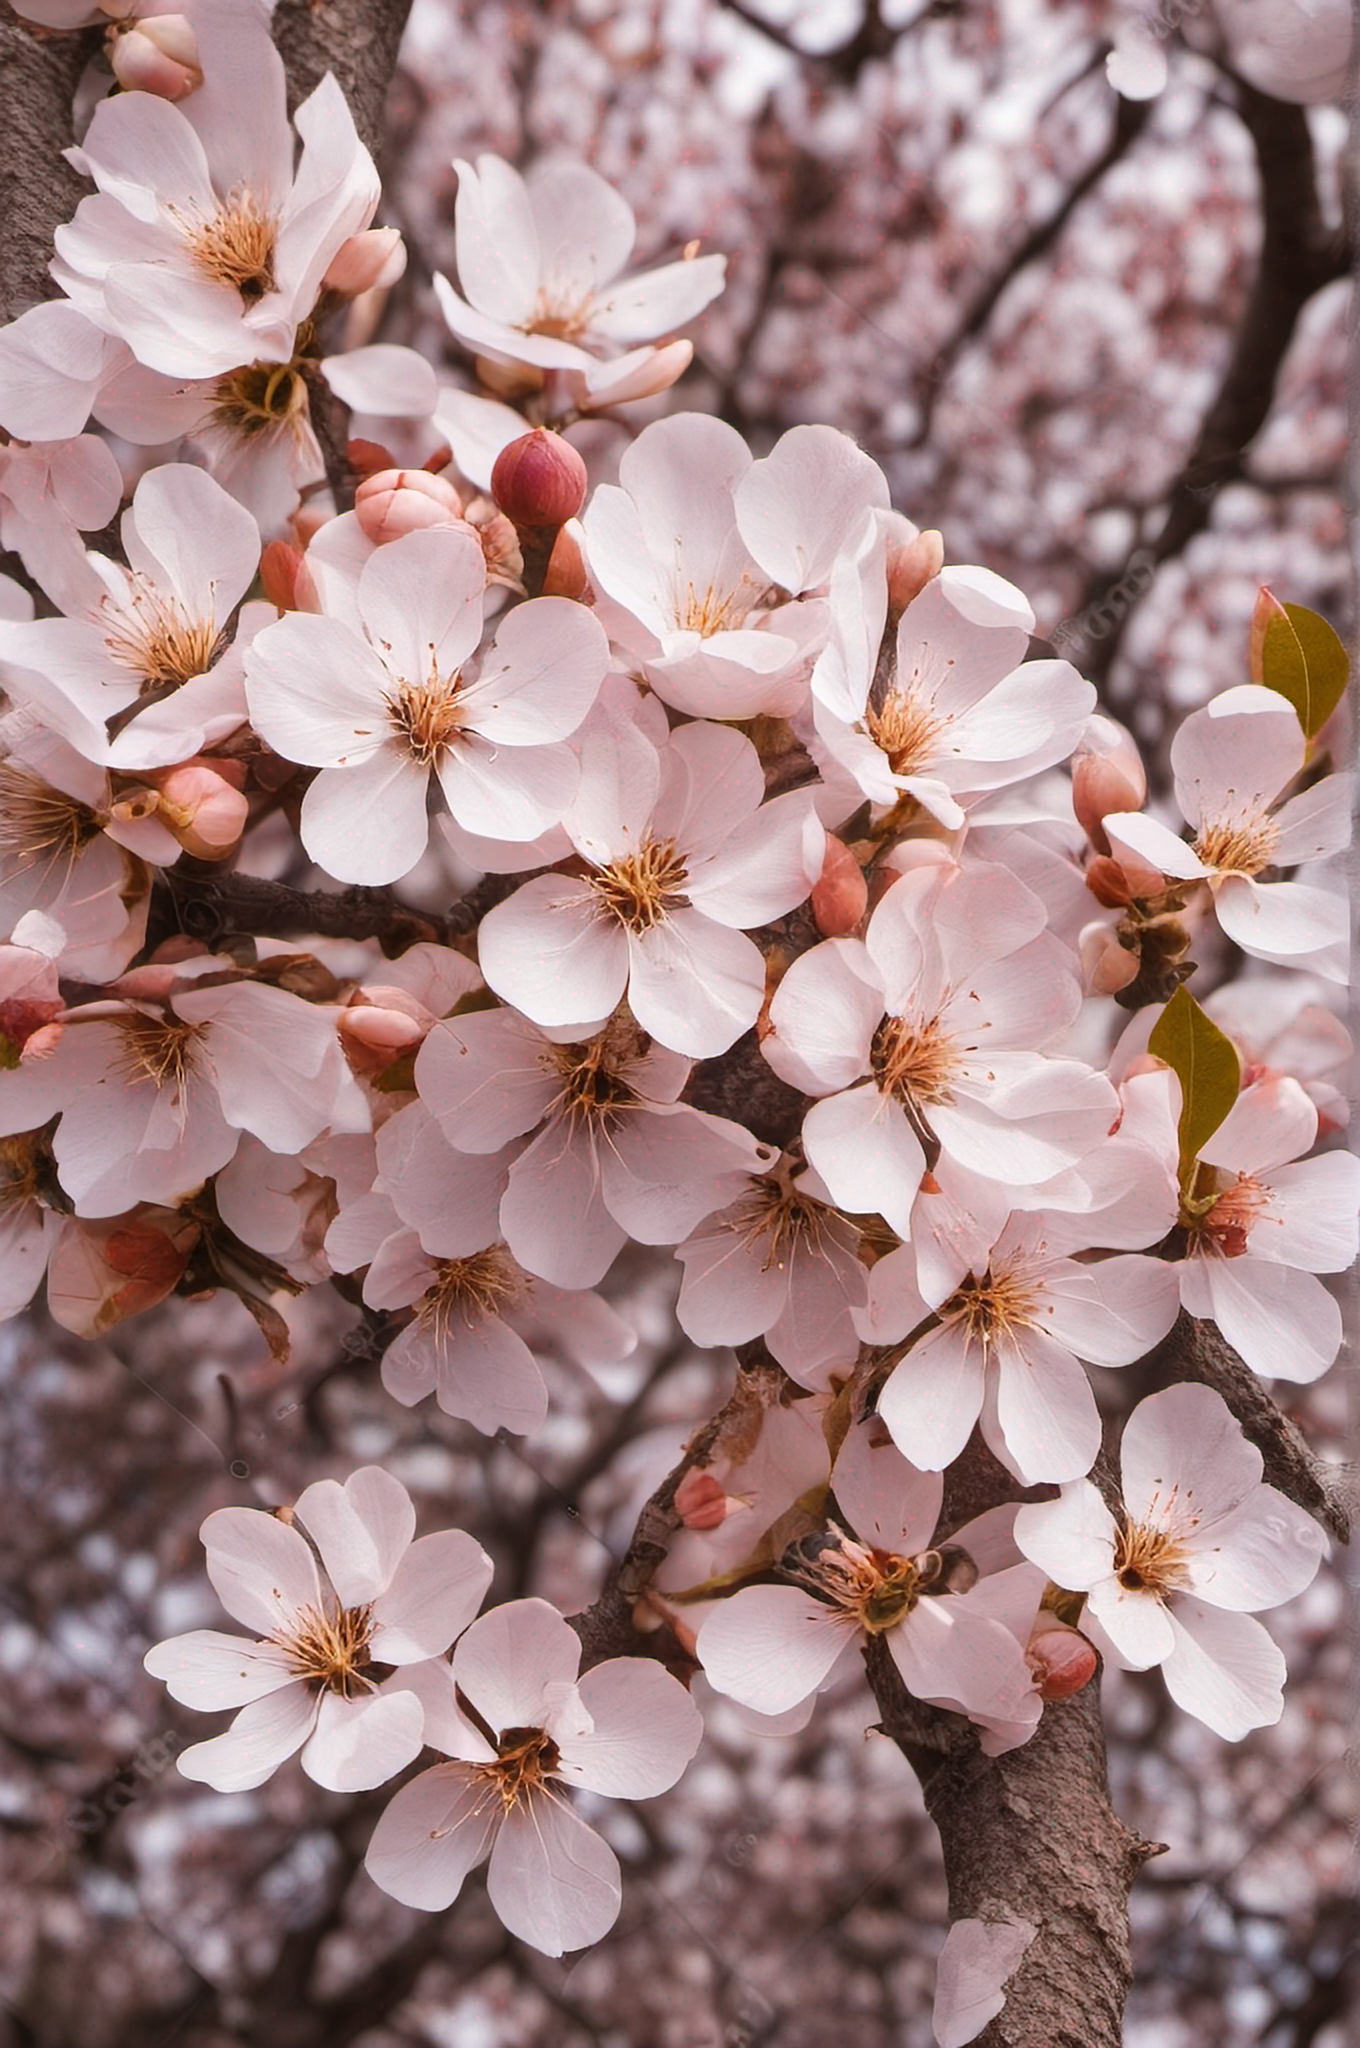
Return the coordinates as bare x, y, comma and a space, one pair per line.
1204, 1060
1303, 659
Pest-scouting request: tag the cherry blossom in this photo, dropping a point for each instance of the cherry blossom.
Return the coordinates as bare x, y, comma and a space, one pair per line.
526, 1724
201, 248
616, 1154
381, 702
1232, 761
929, 1029
1260, 1222
684, 857
539, 261
1200, 1544
338, 1590
770, 1646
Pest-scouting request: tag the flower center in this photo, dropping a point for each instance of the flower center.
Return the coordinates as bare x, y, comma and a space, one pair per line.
155, 638
906, 728
526, 1758
1149, 1560
1224, 1228
260, 397
19, 1171
1238, 846
39, 823
913, 1061
426, 717
328, 1647
709, 610
992, 1308
236, 246
470, 1289
156, 1049
563, 318
593, 1090
641, 889
780, 1218
872, 1589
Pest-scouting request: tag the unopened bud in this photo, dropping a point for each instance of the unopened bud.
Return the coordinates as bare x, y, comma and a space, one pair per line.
1108, 883
701, 1502
204, 812
539, 480
840, 895
375, 257
279, 567
1106, 966
565, 575
1062, 1661
1107, 775
500, 545
401, 501
911, 567
159, 55
366, 458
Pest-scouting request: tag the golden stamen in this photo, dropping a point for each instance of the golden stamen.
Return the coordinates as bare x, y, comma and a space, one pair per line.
328, 1647
470, 1289
156, 1049
641, 889
1238, 846
913, 1061
156, 639
906, 728
427, 717
236, 246
39, 823
1149, 1560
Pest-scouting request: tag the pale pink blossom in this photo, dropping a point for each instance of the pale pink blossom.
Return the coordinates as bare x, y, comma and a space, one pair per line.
1198, 1546
1005, 1346
615, 1155
684, 857
202, 249
524, 1725
932, 1026
338, 1591
539, 261
382, 704
1232, 760
1260, 1223
873, 1573
50, 493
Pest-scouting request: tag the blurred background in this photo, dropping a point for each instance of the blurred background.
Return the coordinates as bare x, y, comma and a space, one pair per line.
1101, 344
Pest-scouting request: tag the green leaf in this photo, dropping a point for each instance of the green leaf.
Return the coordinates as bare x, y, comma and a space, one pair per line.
1204, 1060
1303, 659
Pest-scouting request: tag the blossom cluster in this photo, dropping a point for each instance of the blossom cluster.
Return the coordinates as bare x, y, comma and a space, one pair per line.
758, 801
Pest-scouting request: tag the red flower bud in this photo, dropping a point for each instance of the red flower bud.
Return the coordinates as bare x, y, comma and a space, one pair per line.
539, 480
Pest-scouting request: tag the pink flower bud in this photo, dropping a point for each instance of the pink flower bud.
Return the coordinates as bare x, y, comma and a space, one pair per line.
400, 501
374, 258
1106, 966
911, 566
204, 812
279, 566
701, 1502
1107, 775
565, 575
1061, 1659
1108, 883
500, 545
159, 55
366, 458
840, 895
539, 480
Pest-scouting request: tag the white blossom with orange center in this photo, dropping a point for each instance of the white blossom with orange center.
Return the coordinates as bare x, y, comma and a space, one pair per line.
521, 1723
771, 1646
1197, 1546
927, 1036
1260, 1222
697, 550
203, 250
1003, 1347
683, 857
613, 1153
148, 646
959, 712
1233, 761
394, 692
346, 1605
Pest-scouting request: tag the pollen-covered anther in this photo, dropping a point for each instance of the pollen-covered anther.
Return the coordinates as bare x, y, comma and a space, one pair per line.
905, 728
328, 1647
236, 246
1238, 846
156, 1049
1149, 1560
914, 1061
39, 823
993, 1307
427, 716
709, 611
154, 638
641, 889
874, 1588
469, 1289
780, 1220
526, 1758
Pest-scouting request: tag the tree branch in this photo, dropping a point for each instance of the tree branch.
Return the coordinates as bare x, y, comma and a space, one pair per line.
39, 190
357, 40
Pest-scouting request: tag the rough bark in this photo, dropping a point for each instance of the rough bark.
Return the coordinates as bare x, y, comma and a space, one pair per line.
38, 188
357, 40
